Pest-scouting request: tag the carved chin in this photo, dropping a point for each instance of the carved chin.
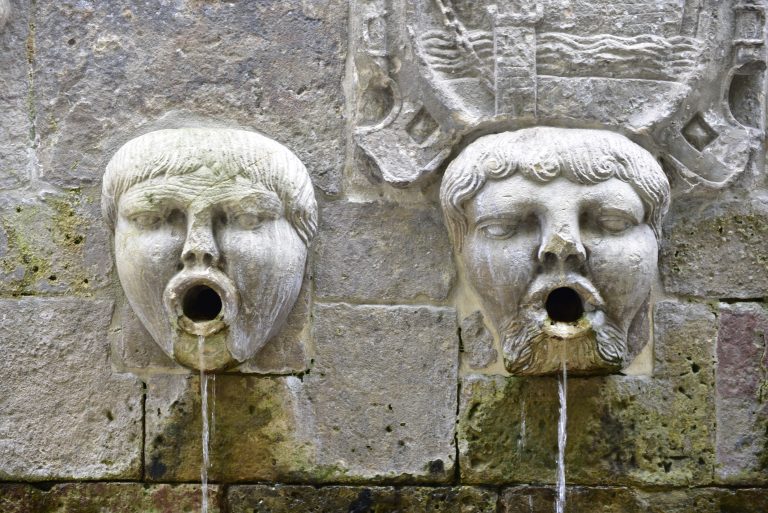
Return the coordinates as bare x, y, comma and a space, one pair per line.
539, 346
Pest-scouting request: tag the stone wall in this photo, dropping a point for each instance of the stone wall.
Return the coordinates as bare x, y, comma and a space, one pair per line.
385, 407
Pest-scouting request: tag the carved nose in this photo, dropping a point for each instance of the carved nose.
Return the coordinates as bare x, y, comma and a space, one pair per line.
562, 248
200, 248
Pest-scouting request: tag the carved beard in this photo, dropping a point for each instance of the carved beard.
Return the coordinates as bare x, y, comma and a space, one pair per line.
530, 350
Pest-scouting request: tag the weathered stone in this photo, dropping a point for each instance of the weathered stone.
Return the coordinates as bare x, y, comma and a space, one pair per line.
276, 67
211, 231
307, 499
107, 497
258, 429
528, 499
477, 342
621, 429
16, 134
720, 251
52, 243
558, 293
742, 394
384, 392
64, 414
381, 253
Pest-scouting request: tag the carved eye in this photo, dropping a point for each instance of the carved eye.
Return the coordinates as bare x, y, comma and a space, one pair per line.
146, 220
498, 230
247, 220
614, 223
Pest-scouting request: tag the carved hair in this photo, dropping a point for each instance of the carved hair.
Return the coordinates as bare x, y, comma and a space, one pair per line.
236, 152
542, 154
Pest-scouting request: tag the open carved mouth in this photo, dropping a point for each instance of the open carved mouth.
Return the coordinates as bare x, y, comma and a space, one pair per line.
564, 304
201, 303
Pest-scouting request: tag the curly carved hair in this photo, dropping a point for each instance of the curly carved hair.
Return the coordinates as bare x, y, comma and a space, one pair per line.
542, 154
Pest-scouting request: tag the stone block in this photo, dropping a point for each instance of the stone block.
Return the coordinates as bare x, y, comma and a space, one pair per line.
383, 391
343, 499
256, 429
16, 134
382, 253
622, 430
528, 499
107, 498
273, 66
742, 392
693, 259
64, 413
53, 243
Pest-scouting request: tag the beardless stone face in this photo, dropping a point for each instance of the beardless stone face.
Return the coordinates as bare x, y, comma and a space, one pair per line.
207, 258
556, 262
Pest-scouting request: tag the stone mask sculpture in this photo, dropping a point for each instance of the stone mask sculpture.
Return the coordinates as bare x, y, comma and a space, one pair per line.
211, 228
556, 230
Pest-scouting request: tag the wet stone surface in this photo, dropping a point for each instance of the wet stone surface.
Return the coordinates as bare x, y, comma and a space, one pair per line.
255, 429
621, 429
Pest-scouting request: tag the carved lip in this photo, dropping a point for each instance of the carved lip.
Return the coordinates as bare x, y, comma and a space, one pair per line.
543, 285
181, 284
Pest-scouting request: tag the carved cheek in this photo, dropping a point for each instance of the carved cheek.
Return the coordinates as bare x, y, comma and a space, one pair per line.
623, 268
500, 270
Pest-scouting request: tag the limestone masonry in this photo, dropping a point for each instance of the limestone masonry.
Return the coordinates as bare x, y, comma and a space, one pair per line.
348, 253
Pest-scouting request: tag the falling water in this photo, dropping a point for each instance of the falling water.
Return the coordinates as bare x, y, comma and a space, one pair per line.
206, 433
562, 390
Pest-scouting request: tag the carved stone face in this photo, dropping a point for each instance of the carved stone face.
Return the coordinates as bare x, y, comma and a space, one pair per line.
561, 267
205, 252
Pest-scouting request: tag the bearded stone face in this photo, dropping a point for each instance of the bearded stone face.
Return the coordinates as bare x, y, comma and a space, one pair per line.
555, 232
561, 268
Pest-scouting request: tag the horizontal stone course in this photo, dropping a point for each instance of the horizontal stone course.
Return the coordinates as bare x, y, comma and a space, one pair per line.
530, 499
106, 498
346, 499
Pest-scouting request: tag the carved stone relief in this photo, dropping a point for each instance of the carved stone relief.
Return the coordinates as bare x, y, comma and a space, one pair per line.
688, 77
556, 230
211, 228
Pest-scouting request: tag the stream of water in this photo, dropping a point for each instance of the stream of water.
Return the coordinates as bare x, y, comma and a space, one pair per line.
206, 432
562, 391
